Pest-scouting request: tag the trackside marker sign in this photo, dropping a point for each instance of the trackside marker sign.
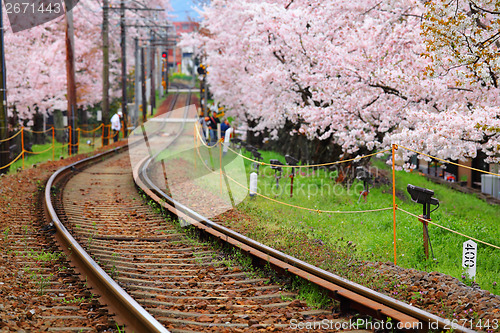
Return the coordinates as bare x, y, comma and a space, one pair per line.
469, 258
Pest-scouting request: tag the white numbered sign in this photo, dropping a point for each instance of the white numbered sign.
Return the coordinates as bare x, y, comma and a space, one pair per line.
469, 258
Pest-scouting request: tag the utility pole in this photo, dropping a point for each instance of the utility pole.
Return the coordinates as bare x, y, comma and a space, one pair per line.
124, 66
105, 71
202, 103
138, 90
70, 77
4, 131
166, 71
152, 75
143, 88
205, 94
123, 45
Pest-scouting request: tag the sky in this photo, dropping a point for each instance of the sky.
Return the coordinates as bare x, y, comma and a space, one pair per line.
182, 9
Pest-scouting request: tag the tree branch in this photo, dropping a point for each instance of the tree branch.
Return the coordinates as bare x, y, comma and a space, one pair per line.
473, 5
389, 90
369, 10
462, 89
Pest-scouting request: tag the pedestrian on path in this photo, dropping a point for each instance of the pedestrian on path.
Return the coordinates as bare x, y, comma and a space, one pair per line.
116, 125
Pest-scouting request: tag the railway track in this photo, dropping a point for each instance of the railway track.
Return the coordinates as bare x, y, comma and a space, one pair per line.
158, 279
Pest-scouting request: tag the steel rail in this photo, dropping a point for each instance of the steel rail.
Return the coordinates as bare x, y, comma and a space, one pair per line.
342, 289
117, 300
120, 302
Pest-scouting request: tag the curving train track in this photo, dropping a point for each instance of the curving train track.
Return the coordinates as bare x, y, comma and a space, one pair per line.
155, 278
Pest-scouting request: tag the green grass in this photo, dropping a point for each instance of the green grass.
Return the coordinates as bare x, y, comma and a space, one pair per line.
370, 235
180, 76
159, 101
61, 151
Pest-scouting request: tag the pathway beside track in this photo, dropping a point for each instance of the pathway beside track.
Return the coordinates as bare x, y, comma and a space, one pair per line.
39, 290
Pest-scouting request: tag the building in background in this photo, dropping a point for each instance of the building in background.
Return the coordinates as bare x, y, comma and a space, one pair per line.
181, 60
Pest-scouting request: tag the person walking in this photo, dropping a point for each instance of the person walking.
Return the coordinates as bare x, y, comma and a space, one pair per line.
116, 125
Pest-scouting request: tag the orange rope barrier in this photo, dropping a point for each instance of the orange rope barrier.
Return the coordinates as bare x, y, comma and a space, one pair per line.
448, 162
295, 206
12, 162
37, 152
448, 229
92, 131
12, 137
37, 132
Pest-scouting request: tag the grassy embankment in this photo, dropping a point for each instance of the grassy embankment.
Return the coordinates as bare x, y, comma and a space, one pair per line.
369, 236
88, 144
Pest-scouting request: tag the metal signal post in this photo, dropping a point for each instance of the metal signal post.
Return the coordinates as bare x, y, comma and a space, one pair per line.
425, 197
202, 70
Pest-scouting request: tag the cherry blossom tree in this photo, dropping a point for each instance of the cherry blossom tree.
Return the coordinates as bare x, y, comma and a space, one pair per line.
36, 58
352, 72
461, 39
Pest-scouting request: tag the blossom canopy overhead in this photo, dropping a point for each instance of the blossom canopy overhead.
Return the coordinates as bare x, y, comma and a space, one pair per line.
362, 74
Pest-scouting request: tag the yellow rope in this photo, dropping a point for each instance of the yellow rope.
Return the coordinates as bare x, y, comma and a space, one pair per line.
203, 140
448, 229
38, 132
12, 137
448, 162
311, 209
15, 160
294, 206
94, 130
351, 212
38, 152
311, 165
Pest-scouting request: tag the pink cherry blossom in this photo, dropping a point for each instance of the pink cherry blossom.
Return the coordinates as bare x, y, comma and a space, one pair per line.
353, 72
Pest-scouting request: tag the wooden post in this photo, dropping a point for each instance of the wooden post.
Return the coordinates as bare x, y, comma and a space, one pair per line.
124, 63
394, 206
70, 74
105, 69
143, 88
152, 74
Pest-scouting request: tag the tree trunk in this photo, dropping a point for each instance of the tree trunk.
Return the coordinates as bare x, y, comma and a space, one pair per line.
38, 137
307, 151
